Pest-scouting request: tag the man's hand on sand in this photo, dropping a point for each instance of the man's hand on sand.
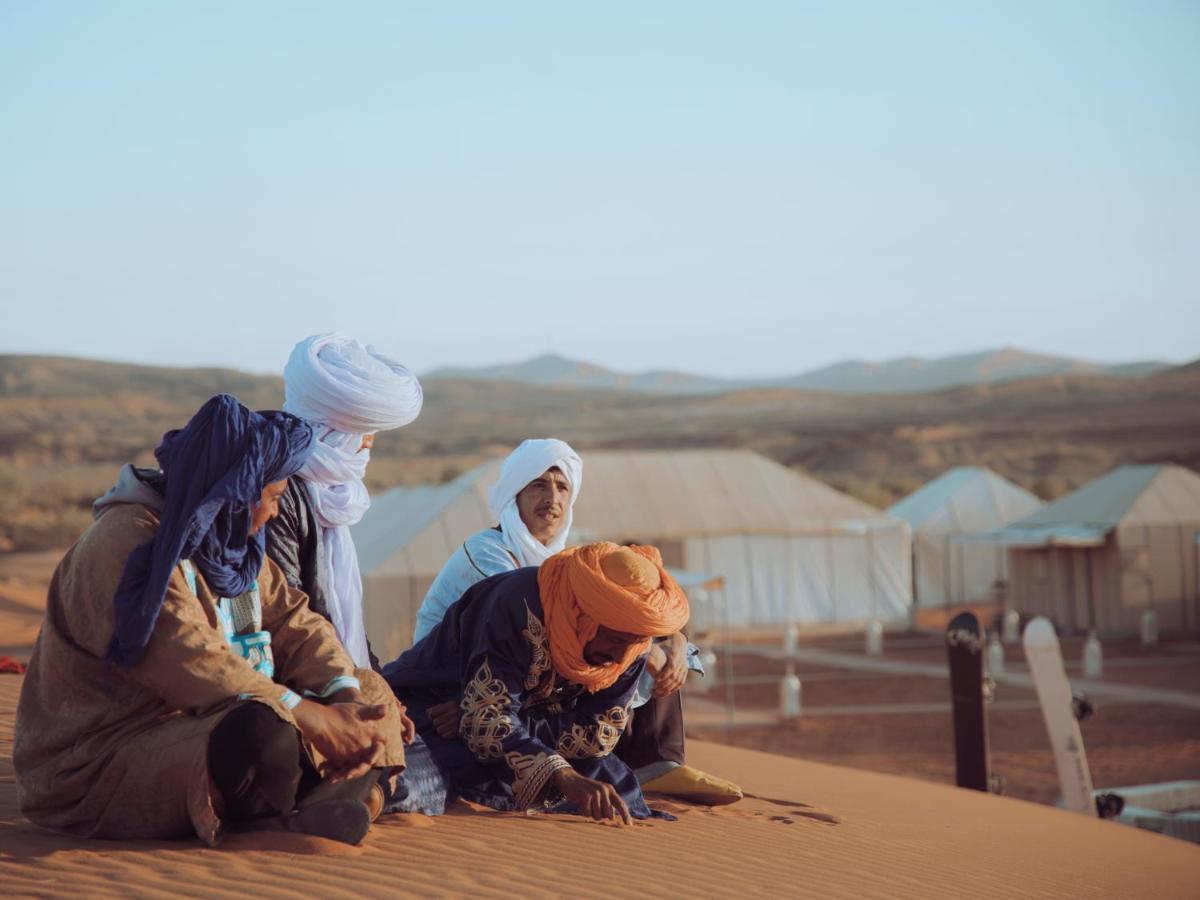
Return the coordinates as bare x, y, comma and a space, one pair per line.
446, 718
673, 673
595, 799
346, 734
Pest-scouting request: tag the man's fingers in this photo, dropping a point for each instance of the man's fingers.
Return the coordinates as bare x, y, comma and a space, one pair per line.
378, 746
444, 717
370, 713
614, 805
357, 764
623, 809
346, 774
667, 686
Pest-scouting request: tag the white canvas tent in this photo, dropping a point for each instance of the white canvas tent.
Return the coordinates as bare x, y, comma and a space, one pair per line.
1102, 555
788, 547
964, 500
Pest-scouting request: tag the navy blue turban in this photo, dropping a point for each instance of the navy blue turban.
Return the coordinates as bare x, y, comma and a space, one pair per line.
214, 470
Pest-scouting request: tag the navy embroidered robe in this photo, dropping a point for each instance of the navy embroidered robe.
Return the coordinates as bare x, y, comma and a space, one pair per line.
521, 722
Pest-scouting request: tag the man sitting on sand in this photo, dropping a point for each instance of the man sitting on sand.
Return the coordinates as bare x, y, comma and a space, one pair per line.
347, 392
178, 685
533, 502
543, 664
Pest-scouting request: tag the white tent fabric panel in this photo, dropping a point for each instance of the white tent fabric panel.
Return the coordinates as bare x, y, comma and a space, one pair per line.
946, 512
462, 518
891, 561
388, 614
948, 571
417, 556
790, 547
771, 579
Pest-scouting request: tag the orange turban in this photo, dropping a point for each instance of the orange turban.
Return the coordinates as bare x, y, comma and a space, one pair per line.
622, 588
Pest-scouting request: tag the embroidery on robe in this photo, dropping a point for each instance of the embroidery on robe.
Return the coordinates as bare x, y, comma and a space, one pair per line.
485, 720
531, 774
594, 740
539, 681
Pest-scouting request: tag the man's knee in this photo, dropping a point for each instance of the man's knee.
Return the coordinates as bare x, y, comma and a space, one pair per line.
254, 760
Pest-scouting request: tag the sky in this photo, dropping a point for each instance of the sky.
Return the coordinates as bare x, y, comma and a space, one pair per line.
746, 189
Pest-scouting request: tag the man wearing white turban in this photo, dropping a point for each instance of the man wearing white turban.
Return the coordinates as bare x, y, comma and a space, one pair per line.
347, 392
533, 502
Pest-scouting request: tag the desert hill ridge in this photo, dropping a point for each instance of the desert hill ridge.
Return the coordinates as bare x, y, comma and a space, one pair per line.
901, 375
66, 424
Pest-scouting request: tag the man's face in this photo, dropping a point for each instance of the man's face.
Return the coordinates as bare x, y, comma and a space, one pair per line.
267, 506
609, 646
543, 505
368, 441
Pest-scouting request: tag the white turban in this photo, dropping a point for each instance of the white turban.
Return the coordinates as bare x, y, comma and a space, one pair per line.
334, 380
351, 390
523, 465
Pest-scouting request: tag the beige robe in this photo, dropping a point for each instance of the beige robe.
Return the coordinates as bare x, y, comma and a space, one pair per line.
105, 752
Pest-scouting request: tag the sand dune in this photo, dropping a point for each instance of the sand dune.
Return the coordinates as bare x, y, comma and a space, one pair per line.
805, 828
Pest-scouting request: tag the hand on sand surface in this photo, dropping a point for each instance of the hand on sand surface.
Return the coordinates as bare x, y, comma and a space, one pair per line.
595, 799
446, 719
674, 671
346, 734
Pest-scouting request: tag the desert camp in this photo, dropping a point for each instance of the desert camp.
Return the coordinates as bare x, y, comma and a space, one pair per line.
599, 450
789, 548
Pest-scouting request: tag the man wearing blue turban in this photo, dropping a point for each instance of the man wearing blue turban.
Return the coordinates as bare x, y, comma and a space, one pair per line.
178, 685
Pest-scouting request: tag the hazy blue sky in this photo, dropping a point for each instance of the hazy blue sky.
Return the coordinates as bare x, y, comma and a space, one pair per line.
733, 188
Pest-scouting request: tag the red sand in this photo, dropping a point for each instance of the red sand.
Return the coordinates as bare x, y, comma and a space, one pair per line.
804, 829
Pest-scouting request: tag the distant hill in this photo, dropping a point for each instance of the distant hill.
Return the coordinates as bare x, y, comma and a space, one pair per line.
551, 370
905, 375
67, 376
67, 424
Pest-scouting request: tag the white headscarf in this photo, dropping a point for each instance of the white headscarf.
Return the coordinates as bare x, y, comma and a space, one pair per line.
334, 380
522, 466
346, 391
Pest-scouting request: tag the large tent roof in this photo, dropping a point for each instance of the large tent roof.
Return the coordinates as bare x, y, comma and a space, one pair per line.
964, 499
649, 494
1159, 494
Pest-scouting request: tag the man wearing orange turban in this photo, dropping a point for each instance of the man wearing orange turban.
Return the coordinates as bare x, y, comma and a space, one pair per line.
544, 663
532, 502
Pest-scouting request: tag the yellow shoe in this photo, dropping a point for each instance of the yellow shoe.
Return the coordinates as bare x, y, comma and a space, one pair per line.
687, 783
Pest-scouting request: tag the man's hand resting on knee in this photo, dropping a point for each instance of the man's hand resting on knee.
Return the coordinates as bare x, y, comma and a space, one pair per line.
596, 799
446, 718
348, 735
667, 664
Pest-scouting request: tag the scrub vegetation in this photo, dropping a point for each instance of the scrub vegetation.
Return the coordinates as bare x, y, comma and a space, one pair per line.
67, 424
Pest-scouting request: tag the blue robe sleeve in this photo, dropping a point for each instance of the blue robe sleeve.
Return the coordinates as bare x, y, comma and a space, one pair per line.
492, 726
598, 720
